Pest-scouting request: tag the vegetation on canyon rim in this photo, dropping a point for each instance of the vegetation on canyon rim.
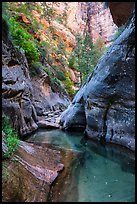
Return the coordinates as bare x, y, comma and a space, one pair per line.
52, 50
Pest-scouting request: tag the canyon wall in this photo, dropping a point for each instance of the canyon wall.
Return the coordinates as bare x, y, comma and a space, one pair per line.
91, 16
23, 99
100, 22
105, 105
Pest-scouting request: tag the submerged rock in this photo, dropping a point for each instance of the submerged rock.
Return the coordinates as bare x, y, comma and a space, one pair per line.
105, 104
61, 190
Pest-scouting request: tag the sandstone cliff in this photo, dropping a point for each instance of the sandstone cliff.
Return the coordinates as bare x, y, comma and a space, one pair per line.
100, 22
91, 16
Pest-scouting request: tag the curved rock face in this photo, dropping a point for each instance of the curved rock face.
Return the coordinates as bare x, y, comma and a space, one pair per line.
121, 11
47, 98
105, 105
16, 88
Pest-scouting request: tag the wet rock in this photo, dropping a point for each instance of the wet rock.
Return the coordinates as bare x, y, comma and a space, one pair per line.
61, 190
27, 177
56, 112
23, 98
45, 99
46, 113
46, 124
105, 104
4, 146
75, 118
51, 114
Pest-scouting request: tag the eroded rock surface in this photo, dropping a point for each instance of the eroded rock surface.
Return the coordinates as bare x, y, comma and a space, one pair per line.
92, 16
17, 100
24, 98
47, 98
30, 173
105, 105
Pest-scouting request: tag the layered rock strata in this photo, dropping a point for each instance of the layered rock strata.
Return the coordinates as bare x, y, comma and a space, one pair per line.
27, 177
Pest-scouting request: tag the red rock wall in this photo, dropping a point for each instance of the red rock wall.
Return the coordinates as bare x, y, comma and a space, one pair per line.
100, 22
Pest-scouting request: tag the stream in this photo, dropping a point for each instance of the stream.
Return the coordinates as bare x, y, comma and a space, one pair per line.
100, 174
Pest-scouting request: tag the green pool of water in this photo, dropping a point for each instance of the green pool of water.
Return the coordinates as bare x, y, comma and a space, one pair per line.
104, 174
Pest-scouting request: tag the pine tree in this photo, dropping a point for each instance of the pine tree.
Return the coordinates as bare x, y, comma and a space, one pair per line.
85, 55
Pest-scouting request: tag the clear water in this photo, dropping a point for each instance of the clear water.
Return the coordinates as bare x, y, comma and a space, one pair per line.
104, 173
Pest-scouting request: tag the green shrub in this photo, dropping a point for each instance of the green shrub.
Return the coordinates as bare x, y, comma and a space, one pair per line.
23, 39
11, 137
72, 62
43, 48
69, 85
60, 75
36, 68
87, 54
61, 47
5, 12
48, 71
56, 85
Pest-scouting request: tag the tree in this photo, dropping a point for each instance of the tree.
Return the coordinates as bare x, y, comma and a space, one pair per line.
88, 54
99, 49
85, 55
69, 84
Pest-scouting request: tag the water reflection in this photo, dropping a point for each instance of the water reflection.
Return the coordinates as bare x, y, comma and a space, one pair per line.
102, 173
